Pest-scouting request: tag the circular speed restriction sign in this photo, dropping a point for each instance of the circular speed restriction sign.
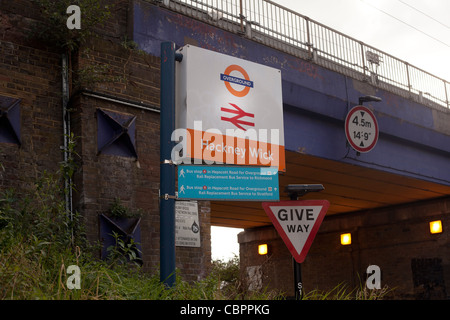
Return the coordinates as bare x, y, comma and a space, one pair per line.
361, 129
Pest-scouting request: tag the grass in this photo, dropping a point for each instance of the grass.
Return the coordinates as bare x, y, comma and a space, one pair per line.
34, 271
38, 241
31, 269
343, 292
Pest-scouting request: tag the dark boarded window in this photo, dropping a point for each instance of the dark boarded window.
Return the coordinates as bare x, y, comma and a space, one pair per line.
116, 133
9, 120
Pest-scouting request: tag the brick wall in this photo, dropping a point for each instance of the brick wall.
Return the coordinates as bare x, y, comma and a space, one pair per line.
397, 239
29, 71
106, 66
273, 270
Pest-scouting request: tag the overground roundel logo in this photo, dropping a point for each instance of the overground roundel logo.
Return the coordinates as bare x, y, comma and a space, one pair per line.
229, 79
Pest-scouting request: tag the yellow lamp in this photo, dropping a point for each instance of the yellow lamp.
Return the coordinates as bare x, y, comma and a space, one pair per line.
263, 249
436, 226
346, 238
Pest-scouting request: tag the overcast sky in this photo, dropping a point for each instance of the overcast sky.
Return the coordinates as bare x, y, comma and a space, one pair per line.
424, 44
382, 24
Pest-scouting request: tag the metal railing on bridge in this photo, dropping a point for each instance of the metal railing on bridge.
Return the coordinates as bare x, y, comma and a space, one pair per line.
279, 27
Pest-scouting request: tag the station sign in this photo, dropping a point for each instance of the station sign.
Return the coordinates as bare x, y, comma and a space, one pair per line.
297, 223
361, 129
228, 183
228, 111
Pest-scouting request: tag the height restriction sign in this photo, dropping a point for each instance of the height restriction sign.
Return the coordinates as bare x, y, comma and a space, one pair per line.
361, 129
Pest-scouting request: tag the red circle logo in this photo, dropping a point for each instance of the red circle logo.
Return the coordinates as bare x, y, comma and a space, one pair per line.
237, 93
361, 129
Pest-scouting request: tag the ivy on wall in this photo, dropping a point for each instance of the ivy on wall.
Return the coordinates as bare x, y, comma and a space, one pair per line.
52, 28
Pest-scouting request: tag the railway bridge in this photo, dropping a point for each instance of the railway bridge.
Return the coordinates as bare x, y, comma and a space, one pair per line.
384, 198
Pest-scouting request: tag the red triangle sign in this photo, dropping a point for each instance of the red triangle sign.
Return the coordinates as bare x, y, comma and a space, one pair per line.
297, 222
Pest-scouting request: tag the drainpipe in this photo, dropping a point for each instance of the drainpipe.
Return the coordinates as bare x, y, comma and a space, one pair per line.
66, 132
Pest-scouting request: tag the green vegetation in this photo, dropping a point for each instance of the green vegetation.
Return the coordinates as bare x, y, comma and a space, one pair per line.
52, 27
118, 210
39, 239
344, 292
36, 247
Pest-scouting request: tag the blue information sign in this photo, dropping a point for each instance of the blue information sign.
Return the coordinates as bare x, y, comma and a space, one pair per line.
228, 183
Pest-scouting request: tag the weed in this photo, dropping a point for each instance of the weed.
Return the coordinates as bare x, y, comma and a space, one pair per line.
38, 243
343, 292
123, 251
53, 30
118, 210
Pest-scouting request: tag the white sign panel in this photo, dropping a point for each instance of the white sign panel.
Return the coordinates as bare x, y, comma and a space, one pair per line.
187, 225
232, 109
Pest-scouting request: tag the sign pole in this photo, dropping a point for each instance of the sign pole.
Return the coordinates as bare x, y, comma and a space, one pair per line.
294, 192
167, 169
297, 223
298, 285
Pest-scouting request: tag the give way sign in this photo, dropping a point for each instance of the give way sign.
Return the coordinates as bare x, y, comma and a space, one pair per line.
297, 222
